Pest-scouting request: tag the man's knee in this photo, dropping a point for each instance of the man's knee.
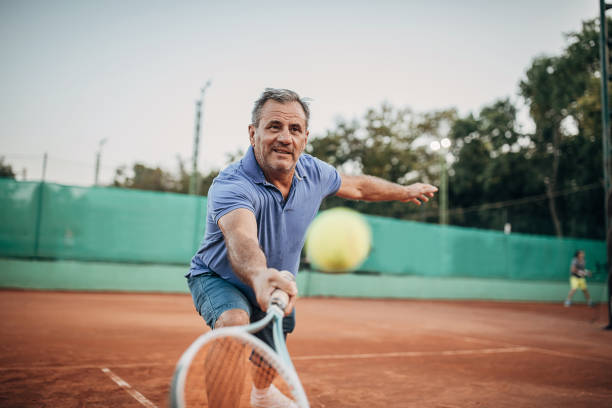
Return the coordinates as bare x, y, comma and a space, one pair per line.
232, 317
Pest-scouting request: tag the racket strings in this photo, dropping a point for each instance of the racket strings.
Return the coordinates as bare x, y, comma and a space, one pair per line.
263, 373
223, 373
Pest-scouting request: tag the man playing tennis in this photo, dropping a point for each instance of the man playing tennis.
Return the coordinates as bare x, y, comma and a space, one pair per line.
258, 211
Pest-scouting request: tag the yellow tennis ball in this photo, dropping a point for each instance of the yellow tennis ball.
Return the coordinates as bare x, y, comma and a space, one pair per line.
338, 240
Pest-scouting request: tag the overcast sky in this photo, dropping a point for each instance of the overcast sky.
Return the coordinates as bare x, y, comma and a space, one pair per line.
76, 72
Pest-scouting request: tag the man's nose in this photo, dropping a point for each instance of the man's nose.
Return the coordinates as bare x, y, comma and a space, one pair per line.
284, 136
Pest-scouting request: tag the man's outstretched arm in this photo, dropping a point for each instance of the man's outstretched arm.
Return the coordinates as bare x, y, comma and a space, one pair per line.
370, 188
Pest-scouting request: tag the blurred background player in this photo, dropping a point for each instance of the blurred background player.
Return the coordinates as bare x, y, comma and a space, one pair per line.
258, 211
578, 274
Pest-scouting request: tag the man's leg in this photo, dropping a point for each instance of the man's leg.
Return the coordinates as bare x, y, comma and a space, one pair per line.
222, 356
587, 296
582, 285
574, 283
232, 317
260, 371
568, 299
264, 393
221, 304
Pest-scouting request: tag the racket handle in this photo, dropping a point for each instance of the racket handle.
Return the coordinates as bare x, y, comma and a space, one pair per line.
279, 297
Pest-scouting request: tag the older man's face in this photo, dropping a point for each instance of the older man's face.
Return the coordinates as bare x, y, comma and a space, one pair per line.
280, 138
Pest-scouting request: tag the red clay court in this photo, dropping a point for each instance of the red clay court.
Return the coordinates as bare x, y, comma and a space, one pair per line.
74, 349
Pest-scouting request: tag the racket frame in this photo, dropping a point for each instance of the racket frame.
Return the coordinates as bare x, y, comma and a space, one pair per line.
280, 360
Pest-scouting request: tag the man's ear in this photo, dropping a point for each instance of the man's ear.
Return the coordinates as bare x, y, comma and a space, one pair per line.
252, 135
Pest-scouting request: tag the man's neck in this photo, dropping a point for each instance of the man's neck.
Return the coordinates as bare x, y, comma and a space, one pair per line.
282, 181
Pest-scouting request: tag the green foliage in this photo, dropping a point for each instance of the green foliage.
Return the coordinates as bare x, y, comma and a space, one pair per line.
548, 181
543, 182
6, 170
389, 143
142, 177
560, 90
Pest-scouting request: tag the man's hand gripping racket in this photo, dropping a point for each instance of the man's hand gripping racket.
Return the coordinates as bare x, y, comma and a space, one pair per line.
222, 368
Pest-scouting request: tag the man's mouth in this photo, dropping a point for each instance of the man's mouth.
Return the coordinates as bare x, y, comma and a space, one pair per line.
281, 151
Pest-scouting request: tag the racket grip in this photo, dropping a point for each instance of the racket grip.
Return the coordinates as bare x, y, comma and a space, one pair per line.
279, 297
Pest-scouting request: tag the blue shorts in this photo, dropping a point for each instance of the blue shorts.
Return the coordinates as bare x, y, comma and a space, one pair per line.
212, 295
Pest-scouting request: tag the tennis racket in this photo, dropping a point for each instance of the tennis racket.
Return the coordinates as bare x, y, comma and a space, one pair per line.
221, 367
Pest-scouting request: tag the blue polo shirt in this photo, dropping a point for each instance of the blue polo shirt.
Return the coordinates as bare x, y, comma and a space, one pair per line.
281, 224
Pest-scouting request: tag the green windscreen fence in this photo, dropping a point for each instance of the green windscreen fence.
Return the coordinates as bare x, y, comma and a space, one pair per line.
44, 220
406, 247
51, 221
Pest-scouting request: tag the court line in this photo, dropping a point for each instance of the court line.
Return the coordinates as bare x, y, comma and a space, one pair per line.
576, 356
128, 388
509, 348
535, 349
414, 354
87, 366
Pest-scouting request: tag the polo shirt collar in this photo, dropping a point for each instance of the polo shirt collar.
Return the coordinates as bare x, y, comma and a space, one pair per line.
252, 169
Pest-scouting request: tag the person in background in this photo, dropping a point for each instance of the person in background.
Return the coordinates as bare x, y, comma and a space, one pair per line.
578, 274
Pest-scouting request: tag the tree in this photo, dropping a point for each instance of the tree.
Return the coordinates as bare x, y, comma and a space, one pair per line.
553, 88
384, 143
145, 178
6, 170
491, 165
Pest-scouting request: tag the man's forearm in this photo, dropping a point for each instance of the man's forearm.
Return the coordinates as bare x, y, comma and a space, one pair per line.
247, 258
370, 188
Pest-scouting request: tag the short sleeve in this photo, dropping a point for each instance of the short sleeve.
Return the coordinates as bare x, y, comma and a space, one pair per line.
330, 178
226, 195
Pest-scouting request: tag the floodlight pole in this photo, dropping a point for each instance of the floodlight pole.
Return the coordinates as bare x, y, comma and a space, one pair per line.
441, 147
193, 180
443, 190
44, 168
604, 55
98, 154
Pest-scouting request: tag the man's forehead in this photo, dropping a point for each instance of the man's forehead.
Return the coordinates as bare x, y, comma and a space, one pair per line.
290, 111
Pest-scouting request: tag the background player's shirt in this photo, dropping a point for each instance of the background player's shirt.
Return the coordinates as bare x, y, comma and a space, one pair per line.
281, 224
580, 272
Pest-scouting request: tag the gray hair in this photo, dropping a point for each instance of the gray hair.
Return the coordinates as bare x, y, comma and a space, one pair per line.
281, 96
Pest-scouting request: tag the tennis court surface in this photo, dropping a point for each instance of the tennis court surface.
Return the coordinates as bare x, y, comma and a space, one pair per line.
74, 349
